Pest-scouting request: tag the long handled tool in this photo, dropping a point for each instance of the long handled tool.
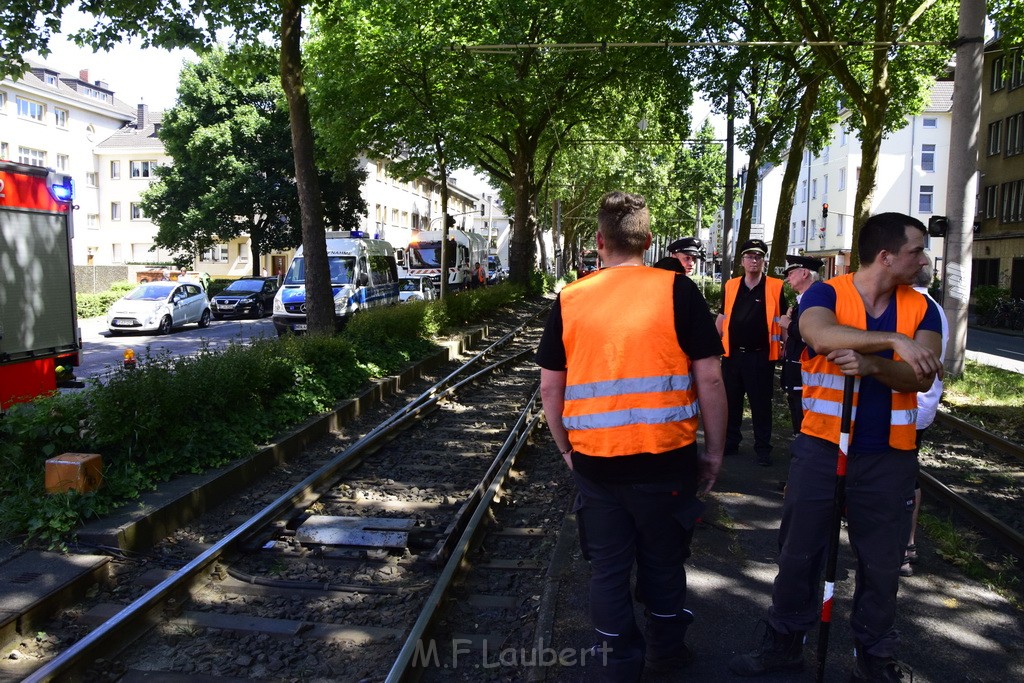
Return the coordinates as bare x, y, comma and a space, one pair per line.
838, 503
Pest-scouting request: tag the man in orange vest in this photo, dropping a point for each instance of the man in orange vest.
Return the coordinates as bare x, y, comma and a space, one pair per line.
620, 381
874, 326
752, 336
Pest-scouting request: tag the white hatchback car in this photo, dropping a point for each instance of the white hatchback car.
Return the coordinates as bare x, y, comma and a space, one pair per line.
159, 307
415, 288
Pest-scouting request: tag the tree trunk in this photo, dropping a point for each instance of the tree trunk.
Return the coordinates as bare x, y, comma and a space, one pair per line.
319, 296
521, 244
791, 175
870, 149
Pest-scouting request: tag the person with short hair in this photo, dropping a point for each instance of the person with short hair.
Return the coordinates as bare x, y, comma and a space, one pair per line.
748, 321
873, 326
801, 272
624, 382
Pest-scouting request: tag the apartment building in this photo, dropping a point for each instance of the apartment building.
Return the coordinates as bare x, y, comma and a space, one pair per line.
998, 257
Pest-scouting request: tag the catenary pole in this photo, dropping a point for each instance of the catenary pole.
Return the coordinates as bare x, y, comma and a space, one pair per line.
962, 180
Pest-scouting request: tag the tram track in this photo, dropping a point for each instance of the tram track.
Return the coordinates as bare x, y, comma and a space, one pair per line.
417, 476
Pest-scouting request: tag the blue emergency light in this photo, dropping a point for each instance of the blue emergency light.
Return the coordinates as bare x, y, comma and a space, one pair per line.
64, 190
357, 233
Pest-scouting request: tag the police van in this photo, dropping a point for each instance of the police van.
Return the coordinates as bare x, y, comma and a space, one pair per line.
364, 274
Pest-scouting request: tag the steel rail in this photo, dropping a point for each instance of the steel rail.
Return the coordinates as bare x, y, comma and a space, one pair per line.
129, 623
1006, 535
521, 432
994, 440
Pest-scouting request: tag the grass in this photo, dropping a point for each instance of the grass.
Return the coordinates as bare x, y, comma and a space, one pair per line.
992, 397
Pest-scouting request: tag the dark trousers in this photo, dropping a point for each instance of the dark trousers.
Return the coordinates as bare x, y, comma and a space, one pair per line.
651, 526
796, 407
753, 375
879, 501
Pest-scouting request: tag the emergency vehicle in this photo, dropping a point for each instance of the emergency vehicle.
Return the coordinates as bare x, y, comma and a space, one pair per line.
39, 336
363, 272
423, 256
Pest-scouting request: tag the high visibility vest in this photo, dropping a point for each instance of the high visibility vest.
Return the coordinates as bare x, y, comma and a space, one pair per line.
823, 381
772, 293
628, 386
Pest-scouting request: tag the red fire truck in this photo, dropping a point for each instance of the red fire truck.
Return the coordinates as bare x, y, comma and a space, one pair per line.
39, 335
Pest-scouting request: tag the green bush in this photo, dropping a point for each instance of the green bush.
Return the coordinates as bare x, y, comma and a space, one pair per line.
986, 297
95, 305
172, 416
217, 285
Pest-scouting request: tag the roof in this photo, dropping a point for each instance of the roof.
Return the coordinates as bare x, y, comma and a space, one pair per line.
137, 138
940, 97
75, 89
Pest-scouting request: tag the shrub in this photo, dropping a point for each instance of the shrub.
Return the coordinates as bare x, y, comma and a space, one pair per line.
985, 299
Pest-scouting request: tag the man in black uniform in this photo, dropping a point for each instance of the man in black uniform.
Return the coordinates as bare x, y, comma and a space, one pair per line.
801, 272
751, 334
687, 250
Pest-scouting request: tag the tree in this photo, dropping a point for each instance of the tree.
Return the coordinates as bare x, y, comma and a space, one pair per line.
194, 24
385, 83
883, 81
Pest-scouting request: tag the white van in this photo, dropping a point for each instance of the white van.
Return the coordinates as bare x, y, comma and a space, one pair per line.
363, 275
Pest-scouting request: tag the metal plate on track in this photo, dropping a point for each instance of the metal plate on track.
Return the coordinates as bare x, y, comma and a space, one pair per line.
375, 532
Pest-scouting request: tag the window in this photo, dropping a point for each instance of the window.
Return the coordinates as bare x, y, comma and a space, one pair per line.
994, 130
803, 191
814, 188
991, 205
928, 158
90, 133
824, 154
115, 211
142, 169
5, 151
843, 136
842, 179
792, 233
1015, 134
28, 109
92, 221
243, 252
62, 162
136, 211
115, 253
839, 224
803, 232
929, 122
924, 202
35, 157
3, 102
51, 80
814, 228
92, 179
215, 254
60, 117
1017, 69
115, 170
998, 80
824, 186
1013, 202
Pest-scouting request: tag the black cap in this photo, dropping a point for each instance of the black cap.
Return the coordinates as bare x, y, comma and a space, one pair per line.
688, 245
808, 262
754, 245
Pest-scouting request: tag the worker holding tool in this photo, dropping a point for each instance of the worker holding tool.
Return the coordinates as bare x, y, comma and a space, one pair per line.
874, 326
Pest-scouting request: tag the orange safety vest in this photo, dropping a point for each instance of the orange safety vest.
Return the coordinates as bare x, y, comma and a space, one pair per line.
772, 292
480, 274
823, 381
628, 386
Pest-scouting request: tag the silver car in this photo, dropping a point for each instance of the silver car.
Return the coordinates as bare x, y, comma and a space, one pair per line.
415, 288
159, 307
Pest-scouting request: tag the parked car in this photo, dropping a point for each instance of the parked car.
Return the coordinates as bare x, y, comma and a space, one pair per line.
416, 289
159, 307
495, 273
245, 296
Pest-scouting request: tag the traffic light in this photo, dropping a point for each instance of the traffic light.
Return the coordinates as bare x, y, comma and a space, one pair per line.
824, 210
450, 220
937, 226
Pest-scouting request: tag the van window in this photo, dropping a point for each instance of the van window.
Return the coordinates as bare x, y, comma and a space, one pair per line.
382, 269
341, 270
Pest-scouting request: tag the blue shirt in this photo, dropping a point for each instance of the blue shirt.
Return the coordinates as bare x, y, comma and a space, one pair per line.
874, 405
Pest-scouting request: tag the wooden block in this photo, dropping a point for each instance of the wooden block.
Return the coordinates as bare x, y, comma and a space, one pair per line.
82, 472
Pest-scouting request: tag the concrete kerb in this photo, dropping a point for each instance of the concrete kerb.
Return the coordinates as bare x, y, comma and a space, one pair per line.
143, 523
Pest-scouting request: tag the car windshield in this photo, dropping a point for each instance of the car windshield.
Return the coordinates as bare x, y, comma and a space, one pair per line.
342, 269
425, 254
409, 284
244, 286
150, 292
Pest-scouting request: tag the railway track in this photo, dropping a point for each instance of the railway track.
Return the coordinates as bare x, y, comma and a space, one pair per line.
328, 578
979, 476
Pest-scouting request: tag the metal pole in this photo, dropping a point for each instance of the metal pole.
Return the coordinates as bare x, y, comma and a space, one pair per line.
838, 503
730, 129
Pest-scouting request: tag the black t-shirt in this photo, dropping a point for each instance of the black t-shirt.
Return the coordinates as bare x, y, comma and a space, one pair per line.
698, 338
748, 324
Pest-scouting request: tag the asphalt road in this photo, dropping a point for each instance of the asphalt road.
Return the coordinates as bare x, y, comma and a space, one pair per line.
103, 353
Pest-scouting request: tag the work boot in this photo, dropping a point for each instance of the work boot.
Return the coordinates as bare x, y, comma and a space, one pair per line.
776, 652
666, 650
868, 667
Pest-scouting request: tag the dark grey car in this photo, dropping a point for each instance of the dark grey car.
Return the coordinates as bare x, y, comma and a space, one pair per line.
247, 296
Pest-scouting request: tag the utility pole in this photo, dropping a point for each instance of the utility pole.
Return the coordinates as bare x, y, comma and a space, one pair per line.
727, 255
962, 181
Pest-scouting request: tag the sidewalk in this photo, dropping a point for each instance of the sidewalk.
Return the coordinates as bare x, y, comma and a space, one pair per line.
953, 628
